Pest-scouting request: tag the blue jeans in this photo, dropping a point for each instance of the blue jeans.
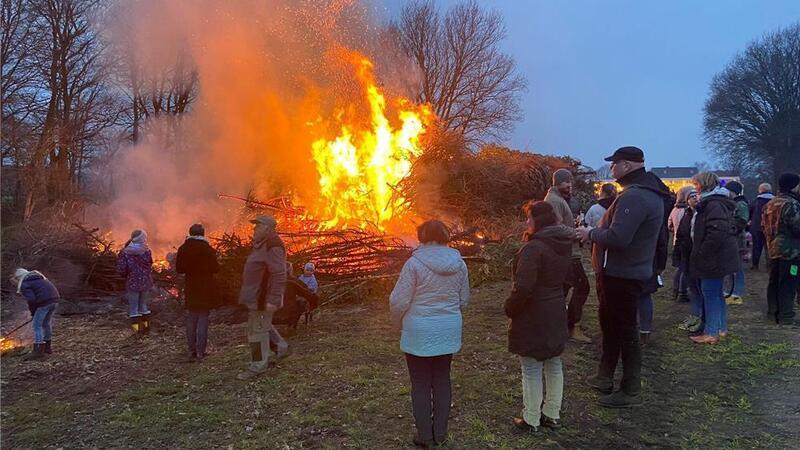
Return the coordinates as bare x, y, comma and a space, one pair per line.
695, 298
137, 303
646, 313
738, 283
197, 331
43, 323
680, 282
714, 303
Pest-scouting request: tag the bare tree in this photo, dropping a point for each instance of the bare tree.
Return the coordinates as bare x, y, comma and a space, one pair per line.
752, 115
471, 84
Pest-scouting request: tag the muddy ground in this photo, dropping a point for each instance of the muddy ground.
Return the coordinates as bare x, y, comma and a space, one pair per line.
346, 385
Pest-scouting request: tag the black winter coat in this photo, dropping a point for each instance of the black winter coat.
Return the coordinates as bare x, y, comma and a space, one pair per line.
538, 326
198, 261
682, 250
715, 248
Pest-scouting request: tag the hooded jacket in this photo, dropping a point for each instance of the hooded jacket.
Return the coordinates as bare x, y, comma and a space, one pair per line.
757, 209
715, 249
538, 326
38, 291
135, 262
198, 261
625, 240
264, 274
427, 300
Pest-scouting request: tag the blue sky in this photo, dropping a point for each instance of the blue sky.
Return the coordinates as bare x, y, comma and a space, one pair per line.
603, 74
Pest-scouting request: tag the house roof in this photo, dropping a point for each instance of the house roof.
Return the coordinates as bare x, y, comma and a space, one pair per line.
674, 172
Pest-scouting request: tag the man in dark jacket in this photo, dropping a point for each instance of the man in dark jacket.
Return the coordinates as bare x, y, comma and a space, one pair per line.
198, 261
263, 284
741, 218
42, 296
624, 248
756, 209
781, 222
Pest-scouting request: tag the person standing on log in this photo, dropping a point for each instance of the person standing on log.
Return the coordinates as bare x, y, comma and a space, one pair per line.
42, 297
135, 262
426, 303
623, 252
263, 284
577, 281
198, 261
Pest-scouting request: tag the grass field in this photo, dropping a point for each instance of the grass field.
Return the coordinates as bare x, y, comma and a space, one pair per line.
346, 385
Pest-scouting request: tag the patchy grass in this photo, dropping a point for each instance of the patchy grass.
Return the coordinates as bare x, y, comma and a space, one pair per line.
346, 386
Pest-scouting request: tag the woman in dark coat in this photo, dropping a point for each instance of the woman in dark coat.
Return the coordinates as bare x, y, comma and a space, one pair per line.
198, 261
715, 252
537, 331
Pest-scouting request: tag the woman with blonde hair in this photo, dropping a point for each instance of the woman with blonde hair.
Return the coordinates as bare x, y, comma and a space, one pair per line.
715, 252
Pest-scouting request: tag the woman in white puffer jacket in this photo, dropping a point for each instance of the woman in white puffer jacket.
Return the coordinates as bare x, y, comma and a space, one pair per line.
426, 303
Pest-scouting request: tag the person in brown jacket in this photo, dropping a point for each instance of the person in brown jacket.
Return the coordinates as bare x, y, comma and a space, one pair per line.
577, 281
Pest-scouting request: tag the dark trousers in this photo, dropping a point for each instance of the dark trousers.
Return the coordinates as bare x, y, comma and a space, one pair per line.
430, 394
781, 290
197, 331
758, 246
580, 292
619, 300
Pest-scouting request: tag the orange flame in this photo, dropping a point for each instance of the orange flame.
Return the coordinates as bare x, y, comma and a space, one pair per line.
360, 168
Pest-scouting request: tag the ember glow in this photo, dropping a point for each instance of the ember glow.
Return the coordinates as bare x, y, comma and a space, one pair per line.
359, 168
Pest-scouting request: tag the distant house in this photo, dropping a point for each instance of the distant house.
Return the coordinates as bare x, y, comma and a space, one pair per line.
678, 177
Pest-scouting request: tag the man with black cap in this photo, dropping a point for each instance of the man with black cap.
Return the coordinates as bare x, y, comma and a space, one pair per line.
781, 224
198, 261
263, 284
623, 258
557, 196
741, 216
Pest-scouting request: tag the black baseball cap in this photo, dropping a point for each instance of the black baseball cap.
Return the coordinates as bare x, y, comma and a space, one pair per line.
634, 154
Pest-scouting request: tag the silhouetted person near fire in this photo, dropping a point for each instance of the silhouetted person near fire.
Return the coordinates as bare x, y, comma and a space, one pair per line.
263, 284
577, 281
198, 261
42, 297
426, 304
135, 262
623, 252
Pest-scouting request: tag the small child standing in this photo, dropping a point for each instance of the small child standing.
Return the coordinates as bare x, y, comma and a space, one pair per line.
308, 277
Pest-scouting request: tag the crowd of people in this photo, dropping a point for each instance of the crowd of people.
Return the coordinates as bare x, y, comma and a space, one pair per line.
628, 232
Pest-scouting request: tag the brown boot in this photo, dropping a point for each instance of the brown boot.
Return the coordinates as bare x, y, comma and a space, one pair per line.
576, 334
37, 354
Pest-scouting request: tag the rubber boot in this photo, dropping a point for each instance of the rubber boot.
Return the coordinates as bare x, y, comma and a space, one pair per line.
37, 354
144, 324
47, 348
134, 321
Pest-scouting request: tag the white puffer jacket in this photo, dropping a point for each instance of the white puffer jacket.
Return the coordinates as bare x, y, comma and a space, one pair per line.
432, 289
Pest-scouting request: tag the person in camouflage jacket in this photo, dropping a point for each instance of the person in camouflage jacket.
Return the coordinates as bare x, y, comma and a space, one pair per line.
781, 224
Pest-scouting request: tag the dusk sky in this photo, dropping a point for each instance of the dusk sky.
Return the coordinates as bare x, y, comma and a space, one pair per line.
603, 74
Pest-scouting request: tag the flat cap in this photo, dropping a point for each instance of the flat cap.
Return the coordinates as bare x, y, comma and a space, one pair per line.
634, 154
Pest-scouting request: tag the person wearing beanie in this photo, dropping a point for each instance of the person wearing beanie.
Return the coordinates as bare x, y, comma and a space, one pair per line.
680, 282
557, 196
42, 297
308, 278
135, 263
781, 224
537, 331
742, 217
756, 211
198, 262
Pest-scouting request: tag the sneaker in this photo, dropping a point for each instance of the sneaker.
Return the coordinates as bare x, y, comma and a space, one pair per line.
696, 328
282, 352
620, 399
688, 322
553, 424
521, 425
734, 300
705, 339
602, 384
576, 334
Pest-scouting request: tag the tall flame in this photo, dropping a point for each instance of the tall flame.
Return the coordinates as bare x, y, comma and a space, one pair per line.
359, 168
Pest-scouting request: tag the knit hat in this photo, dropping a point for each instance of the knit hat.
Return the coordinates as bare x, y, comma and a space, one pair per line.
269, 221
734, 186
138, 236
561, 176
788, 181
309, 267
197, 230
